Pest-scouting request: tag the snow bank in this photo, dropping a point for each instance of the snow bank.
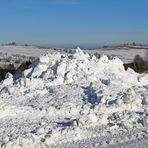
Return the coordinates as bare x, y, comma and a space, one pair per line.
57, 69
62, 94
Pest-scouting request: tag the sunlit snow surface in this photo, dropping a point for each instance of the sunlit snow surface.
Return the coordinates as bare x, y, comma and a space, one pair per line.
72, 98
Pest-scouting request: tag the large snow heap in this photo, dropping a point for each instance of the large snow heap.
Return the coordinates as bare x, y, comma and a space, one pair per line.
72, 90
59, 69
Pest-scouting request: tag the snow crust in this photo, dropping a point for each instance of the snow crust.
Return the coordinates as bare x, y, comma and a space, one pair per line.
61, 95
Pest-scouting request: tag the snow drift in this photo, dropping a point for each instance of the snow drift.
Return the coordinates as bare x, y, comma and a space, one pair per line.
61, 95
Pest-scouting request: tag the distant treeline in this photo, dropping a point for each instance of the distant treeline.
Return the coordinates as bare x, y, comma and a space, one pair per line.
13, 44
126, 45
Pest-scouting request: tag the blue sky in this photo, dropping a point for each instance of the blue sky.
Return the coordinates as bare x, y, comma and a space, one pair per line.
74, 22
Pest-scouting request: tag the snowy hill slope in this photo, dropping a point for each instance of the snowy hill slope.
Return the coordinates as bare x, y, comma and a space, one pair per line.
126, 55
22, 50
65, 99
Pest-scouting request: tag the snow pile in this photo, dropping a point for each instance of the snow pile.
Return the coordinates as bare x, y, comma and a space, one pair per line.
63, 69
62, 95
57, 69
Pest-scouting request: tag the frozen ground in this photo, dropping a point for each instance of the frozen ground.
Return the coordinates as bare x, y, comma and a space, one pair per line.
74, 100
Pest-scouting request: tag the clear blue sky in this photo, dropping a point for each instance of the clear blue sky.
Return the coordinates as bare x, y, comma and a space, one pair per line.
74, 22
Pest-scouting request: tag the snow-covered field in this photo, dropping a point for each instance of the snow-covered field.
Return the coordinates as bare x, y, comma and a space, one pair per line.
23, 50
74, 100
126, 55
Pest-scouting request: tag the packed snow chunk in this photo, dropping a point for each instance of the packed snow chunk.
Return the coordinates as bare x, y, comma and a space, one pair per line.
130, 78
80, 55
8, 80
129, 100
27, 72
129, 120
93, 118
143, 79
104, 59
44, 59
145, 100
25, 82
145, 121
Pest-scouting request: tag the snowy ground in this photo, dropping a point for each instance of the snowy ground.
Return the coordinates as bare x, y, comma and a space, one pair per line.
23, 50
126, 55
74, 100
